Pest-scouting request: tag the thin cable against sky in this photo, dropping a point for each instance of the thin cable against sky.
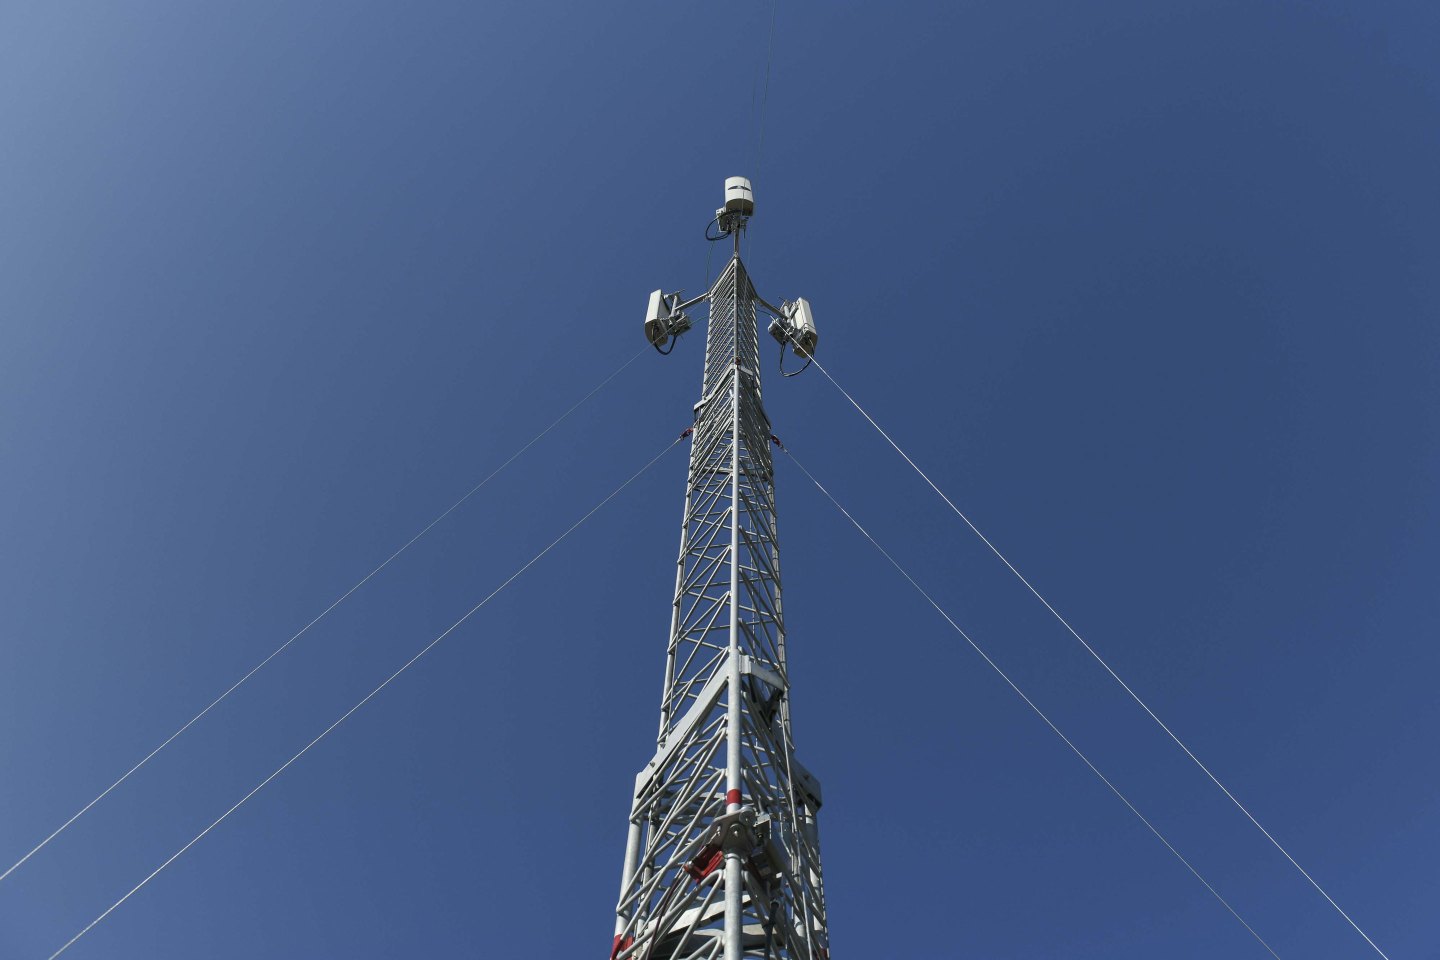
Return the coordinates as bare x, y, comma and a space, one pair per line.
765, 96
1031, 704
1101, 660
366, 699
301, 632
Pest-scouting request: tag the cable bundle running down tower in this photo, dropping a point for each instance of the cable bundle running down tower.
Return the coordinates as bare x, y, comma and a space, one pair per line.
723, 857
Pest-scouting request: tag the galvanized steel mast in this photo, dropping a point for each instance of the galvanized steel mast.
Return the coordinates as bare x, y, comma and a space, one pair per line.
722, 857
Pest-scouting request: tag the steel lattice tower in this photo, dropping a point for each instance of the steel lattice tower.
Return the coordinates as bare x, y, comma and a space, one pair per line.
722, 857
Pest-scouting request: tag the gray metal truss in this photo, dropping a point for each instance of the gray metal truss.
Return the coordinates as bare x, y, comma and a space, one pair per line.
722, 857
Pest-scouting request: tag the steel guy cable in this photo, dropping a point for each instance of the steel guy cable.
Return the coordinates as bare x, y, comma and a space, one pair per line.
1101, 660
301, 632
1031, 704
366, 699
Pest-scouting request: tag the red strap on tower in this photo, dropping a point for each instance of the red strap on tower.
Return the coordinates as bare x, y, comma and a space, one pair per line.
622, 943
706, 862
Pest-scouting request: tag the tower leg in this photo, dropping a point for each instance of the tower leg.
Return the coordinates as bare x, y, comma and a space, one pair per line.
734, 865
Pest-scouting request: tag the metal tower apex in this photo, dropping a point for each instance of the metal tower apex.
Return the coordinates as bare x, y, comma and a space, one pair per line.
793, 322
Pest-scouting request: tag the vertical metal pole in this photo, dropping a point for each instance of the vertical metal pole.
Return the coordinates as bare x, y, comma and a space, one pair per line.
734, 865
627, 875
675, 612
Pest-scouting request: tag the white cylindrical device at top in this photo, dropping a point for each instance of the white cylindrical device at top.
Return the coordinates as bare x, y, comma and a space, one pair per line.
739, 198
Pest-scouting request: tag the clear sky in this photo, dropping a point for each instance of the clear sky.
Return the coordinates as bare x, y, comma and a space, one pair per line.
1148, 287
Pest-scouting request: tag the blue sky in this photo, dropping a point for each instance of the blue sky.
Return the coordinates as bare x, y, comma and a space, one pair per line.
1148, 288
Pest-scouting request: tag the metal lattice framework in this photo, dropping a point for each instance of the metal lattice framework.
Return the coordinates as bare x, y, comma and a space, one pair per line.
723, 858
